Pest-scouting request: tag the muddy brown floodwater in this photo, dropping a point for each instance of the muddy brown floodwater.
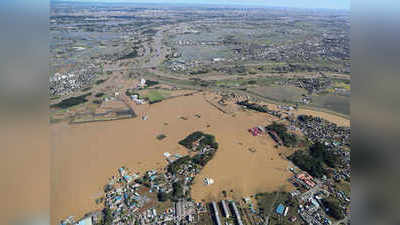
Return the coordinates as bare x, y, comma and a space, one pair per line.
86, 155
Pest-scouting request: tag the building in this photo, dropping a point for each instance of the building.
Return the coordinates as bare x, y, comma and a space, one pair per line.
85, 221
306, 179
280, 209
286, 211
292, 219
237, 214
142, 82
225, 209
216, 213
256, 131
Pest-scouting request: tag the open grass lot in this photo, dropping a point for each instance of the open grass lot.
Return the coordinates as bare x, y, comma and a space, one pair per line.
270, 201
156, 95
265, 201
341, 84
205, 219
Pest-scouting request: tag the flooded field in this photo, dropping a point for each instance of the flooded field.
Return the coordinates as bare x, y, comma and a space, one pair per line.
280, 94
340, 104
86, 155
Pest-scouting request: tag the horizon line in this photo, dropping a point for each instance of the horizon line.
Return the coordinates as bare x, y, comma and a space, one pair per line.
231, 4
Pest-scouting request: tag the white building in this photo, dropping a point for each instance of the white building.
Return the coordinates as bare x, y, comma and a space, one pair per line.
142, 82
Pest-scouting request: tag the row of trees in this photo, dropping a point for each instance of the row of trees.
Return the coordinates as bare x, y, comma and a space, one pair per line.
253, 106
72, 101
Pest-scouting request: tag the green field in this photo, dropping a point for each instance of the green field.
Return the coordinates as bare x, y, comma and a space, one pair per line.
156, 95
270, 201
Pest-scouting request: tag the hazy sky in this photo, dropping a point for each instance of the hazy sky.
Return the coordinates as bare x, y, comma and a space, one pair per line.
328, 4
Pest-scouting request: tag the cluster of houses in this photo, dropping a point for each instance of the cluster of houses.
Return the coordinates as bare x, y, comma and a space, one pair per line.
197, 43
129, 201
310, 208
137, 100
132, 199
336, 139
312, 212
320, 130
66, 83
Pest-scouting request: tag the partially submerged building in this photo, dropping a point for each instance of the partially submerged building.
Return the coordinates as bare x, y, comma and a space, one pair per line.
225, 209
216, 213
236, 213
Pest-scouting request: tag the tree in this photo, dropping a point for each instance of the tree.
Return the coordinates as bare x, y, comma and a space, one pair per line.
334, 208
288, 139
108, 217
177, 192
307, 163
108, 187
162, 196
319, 152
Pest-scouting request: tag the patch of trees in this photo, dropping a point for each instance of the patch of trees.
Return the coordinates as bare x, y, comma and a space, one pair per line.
253, 106
334, 207
304, 118
100, 81
108, 217
307, 163
131, 55
174, 167
145, 181
98, 95
204, 140
155, 101
178, 191
199, 71
162, 196
161, 136
313, 162
319, 152
130, 92
150, 83
86, 89
97, 101
288, 139
202, 159
72, 101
